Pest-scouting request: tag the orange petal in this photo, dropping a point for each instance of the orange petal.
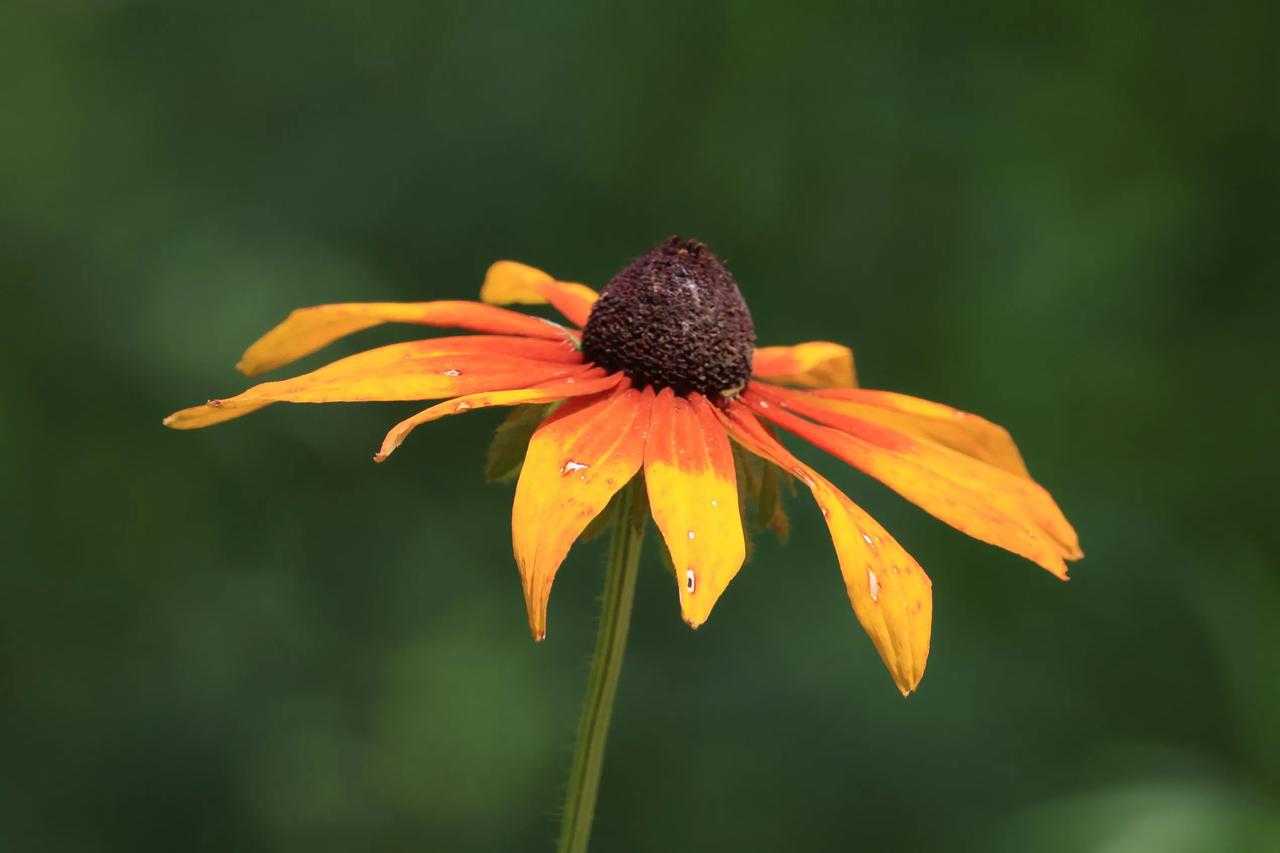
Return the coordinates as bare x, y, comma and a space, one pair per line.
891, 595
590, 381
818, 364
577, 460
959, 430
418, 370
985, 502
307, 330
512, 283
693, 495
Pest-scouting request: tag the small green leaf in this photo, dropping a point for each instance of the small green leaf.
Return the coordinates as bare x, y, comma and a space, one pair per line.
770, 513
760, 495
506, 452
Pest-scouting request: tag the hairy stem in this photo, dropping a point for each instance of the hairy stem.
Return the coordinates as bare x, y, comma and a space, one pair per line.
606, 666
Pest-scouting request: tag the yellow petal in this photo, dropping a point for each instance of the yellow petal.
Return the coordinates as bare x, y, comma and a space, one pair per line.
513, 283
818, 364
417, 370
590, 381
307, 330
962, 431
978, 499
693, 495
585, 452
891, 595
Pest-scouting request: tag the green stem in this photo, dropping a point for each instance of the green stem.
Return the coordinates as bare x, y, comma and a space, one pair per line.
606, 666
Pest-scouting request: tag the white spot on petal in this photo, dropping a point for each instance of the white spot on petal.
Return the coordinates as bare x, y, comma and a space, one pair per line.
451, 373
875, 585
867, 538
690, 582
691, 535
571, 466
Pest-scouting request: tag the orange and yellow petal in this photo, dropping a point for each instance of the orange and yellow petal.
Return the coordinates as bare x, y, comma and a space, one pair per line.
978, 499
513, 283
417, 370
307, 330
961, 431
590, 381
693, 496
891, 595
580, 456
817, 364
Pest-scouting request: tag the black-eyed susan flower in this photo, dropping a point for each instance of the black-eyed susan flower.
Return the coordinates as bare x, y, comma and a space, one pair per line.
660, 374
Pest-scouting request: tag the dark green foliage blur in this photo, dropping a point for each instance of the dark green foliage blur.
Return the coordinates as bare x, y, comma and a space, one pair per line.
251, 638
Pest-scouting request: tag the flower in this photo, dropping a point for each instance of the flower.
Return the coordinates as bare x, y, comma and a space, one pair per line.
659, 374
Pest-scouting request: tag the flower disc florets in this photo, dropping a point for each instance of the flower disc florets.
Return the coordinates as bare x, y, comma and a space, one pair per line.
674, 319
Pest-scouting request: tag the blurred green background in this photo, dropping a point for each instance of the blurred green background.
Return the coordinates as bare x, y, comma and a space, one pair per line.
251, 638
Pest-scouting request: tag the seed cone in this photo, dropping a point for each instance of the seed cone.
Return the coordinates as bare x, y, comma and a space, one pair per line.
674, 318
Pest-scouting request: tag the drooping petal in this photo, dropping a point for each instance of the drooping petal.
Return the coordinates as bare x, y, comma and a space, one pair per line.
693, 496
590, 381
307, 330
512, 283
962, 431
585, 452
987, 503
891, 595
417, 370
817, 364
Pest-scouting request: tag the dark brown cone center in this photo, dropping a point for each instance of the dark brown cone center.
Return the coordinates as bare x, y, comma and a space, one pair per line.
674, 318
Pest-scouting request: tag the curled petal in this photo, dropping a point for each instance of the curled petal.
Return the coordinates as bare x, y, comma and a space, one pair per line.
589, 381
512, 283
891, 595
693, 495
307, 330
987, 503
582, 455
818, 364
418, 370
961, 431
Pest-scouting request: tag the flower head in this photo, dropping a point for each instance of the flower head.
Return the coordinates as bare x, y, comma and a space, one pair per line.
665, 378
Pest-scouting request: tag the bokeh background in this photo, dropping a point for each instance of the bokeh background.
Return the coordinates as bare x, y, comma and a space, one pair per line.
251, 638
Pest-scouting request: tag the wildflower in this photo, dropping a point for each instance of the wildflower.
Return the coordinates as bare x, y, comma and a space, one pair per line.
661, 374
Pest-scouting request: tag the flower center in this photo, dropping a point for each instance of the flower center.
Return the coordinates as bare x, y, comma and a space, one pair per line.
674, 319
